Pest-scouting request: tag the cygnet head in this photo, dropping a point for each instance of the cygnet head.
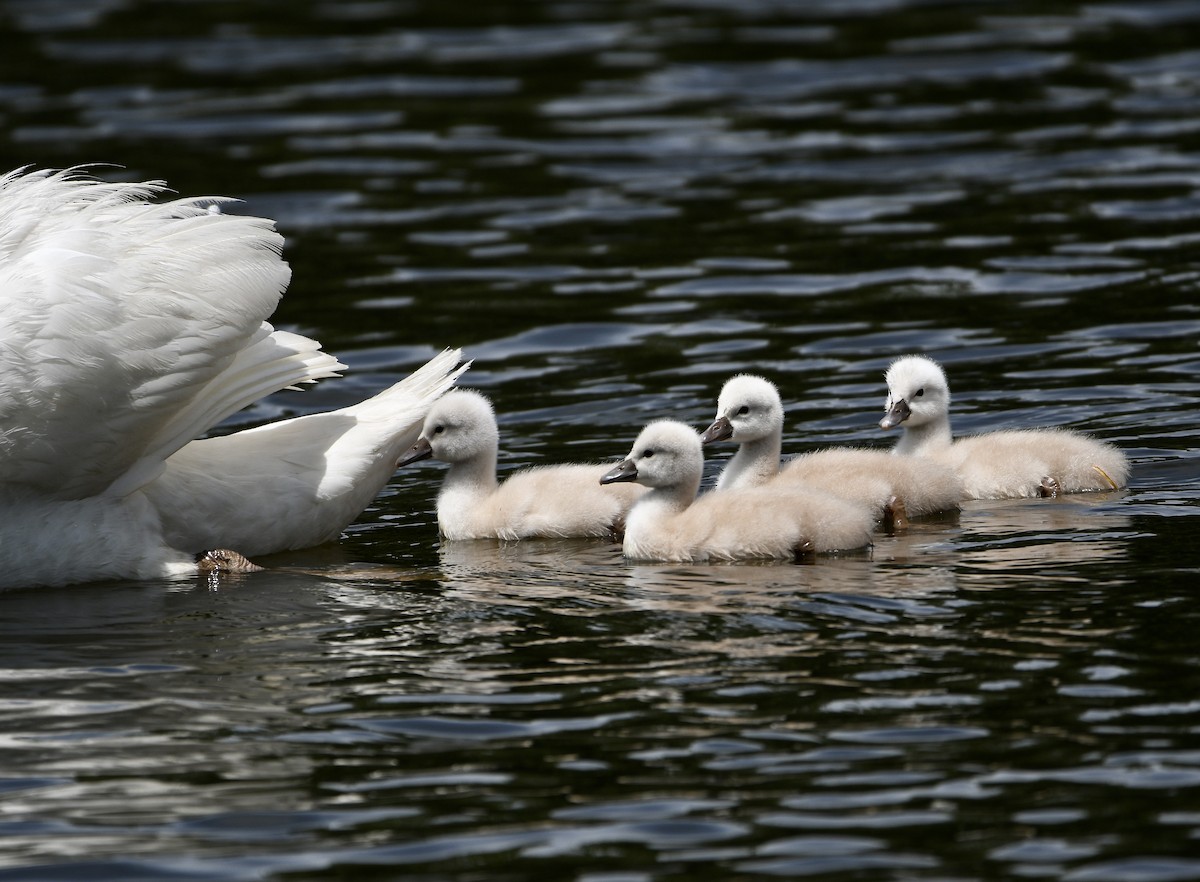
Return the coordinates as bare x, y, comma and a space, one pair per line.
918, 393
748, 409
460, 426
667, 454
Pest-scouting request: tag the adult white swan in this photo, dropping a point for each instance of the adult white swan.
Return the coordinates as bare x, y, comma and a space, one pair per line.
128, 328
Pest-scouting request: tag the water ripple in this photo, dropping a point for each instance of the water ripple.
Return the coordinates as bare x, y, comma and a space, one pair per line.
613, 210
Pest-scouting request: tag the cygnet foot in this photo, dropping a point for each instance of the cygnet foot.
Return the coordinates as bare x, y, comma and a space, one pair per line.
1108, 478
1049, 488
804, 552
222, 560
617, 530
895, 515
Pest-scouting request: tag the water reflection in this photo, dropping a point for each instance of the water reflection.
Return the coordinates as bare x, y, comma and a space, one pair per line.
1004, 540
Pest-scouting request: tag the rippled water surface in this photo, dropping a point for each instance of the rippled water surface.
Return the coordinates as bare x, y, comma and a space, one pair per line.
613, 206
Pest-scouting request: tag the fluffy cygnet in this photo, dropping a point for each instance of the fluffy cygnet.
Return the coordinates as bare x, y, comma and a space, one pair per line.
995, 465
556, 501
750, 413
670, 524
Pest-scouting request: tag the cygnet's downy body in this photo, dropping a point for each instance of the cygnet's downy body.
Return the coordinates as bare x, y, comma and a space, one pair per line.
554, 501
750, 413
670, 524
995, 465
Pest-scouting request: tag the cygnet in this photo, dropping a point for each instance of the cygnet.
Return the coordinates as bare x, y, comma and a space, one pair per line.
670, 524
995, 465
750, 413
555, 501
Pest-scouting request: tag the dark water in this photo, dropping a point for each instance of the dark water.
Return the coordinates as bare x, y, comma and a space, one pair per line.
612, 207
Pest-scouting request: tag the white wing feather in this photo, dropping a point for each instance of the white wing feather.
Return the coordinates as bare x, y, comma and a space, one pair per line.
120, 339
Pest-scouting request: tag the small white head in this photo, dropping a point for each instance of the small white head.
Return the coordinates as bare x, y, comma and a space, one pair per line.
748, 409
918, 393
667, 454
460, 426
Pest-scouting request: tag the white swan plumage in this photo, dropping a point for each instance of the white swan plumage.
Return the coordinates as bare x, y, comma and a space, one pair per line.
131, 326
671, 524
750, 413
553, 501
1004, 464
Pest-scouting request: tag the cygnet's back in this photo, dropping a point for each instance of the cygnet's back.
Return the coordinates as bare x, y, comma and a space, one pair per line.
556, 501
877, 479
670, 524
1035, 462
750, 412
994, 465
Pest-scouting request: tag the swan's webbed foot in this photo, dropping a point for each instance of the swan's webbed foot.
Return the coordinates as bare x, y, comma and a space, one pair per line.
1049, 488
895, 515
222, 560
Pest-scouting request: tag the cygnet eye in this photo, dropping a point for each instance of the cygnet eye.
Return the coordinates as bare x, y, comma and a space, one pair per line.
743, 410
920, 392
646, 454
437, 430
